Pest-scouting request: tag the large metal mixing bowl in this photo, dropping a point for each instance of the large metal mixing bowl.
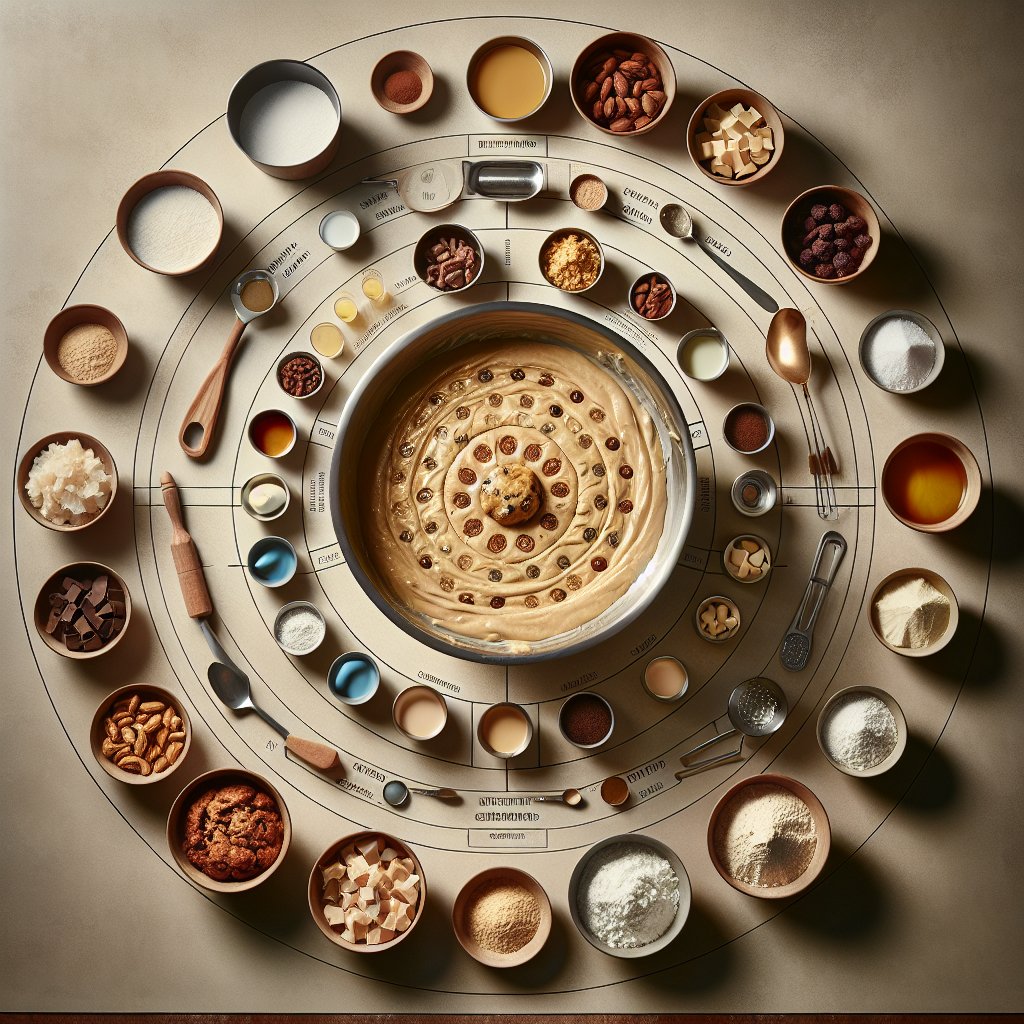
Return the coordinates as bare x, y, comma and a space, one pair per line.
490, 322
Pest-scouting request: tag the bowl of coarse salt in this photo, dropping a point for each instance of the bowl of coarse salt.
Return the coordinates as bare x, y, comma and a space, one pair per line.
629, 896
862, 731
901, 351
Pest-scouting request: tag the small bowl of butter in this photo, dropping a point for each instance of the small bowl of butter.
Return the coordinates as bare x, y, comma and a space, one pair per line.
265, 497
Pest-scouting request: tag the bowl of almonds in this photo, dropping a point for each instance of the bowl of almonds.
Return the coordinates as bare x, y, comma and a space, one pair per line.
623, 83
140, 734
652, 296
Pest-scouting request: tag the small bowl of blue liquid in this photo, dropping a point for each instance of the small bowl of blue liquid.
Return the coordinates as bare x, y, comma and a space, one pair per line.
272, 561
353, 677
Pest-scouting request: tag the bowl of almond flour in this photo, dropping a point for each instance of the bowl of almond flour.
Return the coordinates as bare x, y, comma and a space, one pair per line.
769, 836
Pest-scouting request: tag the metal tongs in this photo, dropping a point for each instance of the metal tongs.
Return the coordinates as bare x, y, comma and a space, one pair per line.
796, 644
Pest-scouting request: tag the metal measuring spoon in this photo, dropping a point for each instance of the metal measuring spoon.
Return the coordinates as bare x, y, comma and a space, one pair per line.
757, 707
440, 794
509, 181
232, 687
678, 223
571, 797
200, 422
796, 644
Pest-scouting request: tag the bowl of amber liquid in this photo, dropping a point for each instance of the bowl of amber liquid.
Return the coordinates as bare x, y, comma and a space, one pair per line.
931, 482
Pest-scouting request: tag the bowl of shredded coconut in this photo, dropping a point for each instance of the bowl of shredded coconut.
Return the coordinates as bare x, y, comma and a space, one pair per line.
629, 896
769, 836
862, 731
67, 481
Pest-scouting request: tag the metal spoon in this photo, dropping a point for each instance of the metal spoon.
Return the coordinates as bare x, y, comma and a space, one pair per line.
571, 797
789, 356
232, 687
200, 421
757, 707
441, 794
678, 223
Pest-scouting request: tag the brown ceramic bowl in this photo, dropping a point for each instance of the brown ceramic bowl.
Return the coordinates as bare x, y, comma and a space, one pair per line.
728, 98
430, 238
901, 731
645, 279
821, 849
98, 733
799, 210
62, 437
634, 44
972, 492
178, 816
464, 902
164, 179
401, 60
75, 316
316, 903
77, 570
939, 584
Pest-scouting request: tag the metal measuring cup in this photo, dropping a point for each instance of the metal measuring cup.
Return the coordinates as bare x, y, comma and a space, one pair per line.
757, 707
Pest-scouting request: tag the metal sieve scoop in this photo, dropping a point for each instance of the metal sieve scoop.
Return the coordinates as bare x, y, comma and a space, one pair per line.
757, 707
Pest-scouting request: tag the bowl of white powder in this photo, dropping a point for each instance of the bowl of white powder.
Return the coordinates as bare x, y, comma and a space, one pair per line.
862, 731
769, 836
629, 896
285, 116
901, 351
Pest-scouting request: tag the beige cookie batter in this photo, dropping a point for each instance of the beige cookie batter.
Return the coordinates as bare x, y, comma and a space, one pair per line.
551, 424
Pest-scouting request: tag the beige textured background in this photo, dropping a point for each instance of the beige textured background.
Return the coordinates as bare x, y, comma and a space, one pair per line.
923, 101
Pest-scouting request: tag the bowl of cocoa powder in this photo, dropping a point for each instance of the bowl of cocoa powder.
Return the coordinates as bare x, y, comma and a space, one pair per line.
402, 82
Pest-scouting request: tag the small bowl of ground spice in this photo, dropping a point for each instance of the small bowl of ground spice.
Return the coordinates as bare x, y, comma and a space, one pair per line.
402, 82
85, 345
586, 720
748, 429
502, 917
300, 374
571, 259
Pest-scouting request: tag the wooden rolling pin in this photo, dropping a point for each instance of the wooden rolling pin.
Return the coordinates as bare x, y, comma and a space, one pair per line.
199, 606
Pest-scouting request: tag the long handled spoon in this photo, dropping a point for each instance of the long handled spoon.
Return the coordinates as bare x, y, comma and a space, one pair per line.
572, 797
789, 356
440, 794
232, 687
200, 422
679, 224
199, 606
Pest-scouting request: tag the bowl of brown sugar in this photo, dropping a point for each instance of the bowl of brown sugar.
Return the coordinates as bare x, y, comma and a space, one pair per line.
572, 259
85, 345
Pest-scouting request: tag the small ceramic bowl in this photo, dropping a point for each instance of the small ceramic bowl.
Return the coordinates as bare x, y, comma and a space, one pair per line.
767, 492
496, 709
340, 682
77, 571
683, 687
578, 182
464, 904
556, 236
410, 695
63, 437
733, 611
271, 545
762, 411
645, 279
255, 481
351, 229
821, 849
733, 571
392, 63
972, 491
253, 431
305, 355
689, 339
631, 43
306, 606
178, 817
727, 99
531, 47
270, 73
927, 326
98, 732
799, 209
940, 585
75, 316
315, 891
563, 711
165, 179
897, 714
431, 237
683, 911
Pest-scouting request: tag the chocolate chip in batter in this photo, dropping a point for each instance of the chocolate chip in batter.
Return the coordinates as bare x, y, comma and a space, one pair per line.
484, 376
589, 534
507, 444
406, 449
533, 571
560, 489
437, 398
467, 476
597, 415
447, 584
598, 469
545, 380
494, 400
441, 434
612, 444
483, 453
466, 599
398, 478
465, 562
497, 602
431, 527
613, 539
625, 506
558, 595
494, 575
552, 467
564, 562
462, 413
576, 396
531, 601
426, 562
424, 494
405, 537
526, 401
472, 528
517, 374
600, 503
496, 543
555, 410
548, 428
429, 464
573, 582
461, 499
532, 453
599, 564
626, 472
525, 542
584, 440
548, 522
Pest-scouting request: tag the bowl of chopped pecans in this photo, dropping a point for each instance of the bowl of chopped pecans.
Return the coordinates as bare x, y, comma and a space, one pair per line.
449, 258
623, 84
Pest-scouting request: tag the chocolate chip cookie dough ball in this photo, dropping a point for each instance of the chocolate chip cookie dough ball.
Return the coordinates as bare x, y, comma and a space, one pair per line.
510, 495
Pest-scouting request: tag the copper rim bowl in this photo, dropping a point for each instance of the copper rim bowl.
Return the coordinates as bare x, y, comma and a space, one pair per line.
515, 321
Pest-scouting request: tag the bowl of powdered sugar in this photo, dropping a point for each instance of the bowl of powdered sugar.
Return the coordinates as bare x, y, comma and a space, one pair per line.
769, 836
862, 731
901, 351
629, 896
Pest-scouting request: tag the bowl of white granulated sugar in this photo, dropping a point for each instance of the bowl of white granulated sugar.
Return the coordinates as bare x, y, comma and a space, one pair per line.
862, 731
629, 896
769, 836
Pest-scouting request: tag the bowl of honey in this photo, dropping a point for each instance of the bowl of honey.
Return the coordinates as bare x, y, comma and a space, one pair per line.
931, 482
